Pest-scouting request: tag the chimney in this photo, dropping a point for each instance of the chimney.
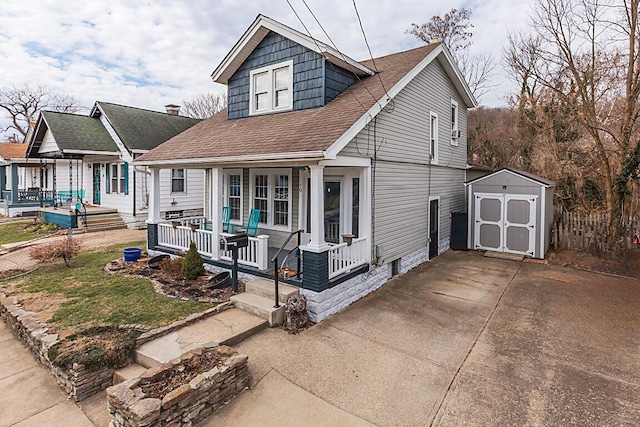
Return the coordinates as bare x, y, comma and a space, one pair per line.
172, 109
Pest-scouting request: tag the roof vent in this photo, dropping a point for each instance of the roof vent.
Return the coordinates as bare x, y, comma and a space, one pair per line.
172, 109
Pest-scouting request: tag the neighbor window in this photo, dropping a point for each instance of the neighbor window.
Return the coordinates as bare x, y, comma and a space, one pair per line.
177, 181
117, 178
433, 137
271, 193
455, 130
233, 193
271, 88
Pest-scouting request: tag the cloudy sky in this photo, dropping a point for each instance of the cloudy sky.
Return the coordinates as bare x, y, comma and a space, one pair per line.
152, 53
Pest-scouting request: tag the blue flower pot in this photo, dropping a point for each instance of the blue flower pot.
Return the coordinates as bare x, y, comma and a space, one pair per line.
131, 254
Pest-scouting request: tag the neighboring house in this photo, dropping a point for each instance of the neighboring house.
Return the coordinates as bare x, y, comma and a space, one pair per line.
89, 159
367, 159
18, 178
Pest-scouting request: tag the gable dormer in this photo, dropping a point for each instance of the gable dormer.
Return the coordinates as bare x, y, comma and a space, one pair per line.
274, 68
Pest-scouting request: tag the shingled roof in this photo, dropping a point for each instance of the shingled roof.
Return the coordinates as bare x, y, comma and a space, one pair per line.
77, 133
12, 150
141, 129
302, 134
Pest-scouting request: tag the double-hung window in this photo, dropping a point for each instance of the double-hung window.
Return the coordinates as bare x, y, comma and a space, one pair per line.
233, 194
117, 178
177, 181
433, 137
271, 88
271, 193
455, 129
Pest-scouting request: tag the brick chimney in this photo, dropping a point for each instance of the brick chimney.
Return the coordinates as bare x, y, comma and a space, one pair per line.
172, 109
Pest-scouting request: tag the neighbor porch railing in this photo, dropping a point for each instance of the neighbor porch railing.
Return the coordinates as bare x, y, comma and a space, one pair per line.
343, 258
29, 196
180, 237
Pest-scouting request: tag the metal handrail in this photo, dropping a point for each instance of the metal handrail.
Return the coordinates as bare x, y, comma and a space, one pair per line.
276, 268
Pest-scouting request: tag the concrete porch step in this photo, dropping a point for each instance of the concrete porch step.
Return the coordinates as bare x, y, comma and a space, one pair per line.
132, 370
228, 327
259, 306
266, 289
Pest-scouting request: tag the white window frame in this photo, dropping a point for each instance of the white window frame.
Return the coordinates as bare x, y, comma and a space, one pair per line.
270, 89
227, 192
118, 177
184, 181
455, 123
433, 137
271, 174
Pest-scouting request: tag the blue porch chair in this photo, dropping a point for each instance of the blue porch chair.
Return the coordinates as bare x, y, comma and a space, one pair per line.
252, 225
227, 227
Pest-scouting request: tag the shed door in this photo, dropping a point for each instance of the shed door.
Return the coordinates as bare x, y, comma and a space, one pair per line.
505, 223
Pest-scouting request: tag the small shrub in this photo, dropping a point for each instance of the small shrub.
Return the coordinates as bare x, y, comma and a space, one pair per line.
65, 249
192, 266
172, 266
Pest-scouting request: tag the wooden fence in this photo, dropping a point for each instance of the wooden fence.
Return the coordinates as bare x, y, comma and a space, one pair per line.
585, 232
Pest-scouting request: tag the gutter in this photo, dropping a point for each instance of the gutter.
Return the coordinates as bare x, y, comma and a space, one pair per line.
279, 157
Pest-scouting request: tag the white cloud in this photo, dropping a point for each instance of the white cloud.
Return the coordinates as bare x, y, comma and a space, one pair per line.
149, 54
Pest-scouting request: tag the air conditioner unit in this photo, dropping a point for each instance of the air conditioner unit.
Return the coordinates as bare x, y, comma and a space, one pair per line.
455, 134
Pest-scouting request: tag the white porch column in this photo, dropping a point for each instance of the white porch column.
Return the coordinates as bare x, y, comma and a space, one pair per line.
366, 202
154, 197
317, 243
215, 203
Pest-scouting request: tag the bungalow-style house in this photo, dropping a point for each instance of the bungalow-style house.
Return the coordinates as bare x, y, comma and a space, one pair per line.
360, 163
17, 181
88, 159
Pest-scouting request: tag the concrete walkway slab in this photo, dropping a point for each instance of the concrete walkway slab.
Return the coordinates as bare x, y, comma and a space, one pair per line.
15, 358
227, 327
277, 402
64, 414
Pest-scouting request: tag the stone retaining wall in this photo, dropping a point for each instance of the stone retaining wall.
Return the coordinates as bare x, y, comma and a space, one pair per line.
186, 405
79, 382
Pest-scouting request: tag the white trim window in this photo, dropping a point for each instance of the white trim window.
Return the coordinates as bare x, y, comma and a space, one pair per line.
271, 193
178, 181
271, 88
117, 179
433, 137
455, 128
233, 194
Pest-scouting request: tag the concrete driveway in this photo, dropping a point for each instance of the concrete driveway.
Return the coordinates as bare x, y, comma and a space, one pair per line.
462, 340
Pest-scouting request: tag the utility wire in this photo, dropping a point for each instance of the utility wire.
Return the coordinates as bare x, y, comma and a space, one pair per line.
373, 61
320, 50
340, 52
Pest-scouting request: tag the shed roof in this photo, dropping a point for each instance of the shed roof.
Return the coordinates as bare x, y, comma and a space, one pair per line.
527, 175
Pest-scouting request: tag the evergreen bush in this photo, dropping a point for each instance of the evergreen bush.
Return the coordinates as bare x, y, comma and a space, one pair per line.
192, 265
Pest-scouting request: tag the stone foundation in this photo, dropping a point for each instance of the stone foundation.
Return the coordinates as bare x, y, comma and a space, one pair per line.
321, 305
187, 404
79, 382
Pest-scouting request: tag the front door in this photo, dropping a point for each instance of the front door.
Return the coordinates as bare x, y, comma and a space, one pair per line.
433, 228
96, 183
332, 211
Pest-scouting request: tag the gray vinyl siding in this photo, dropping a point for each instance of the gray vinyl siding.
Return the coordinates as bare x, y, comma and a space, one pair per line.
308, 74
404, 179
337, 80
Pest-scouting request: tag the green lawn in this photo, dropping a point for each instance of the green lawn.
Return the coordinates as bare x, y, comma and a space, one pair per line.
97, 298
13, 232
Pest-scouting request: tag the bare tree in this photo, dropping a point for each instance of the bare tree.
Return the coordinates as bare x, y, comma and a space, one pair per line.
205, 105
454, 30
587, 53
23, 102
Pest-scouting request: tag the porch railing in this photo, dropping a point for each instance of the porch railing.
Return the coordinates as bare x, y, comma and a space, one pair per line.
180, 237
29, 196
255, 255
343, 258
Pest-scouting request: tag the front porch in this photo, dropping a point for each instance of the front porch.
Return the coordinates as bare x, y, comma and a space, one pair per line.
324, 225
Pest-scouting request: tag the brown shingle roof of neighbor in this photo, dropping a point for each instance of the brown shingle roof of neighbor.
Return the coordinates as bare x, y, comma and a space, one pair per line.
312, 130
12, 150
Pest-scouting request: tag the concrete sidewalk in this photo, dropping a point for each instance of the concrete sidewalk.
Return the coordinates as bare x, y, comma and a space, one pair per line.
29, 396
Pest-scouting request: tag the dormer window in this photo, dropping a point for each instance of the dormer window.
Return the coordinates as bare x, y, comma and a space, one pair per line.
271, 88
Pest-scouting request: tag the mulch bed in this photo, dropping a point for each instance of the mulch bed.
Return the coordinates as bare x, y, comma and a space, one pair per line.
174, 286
626, 263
